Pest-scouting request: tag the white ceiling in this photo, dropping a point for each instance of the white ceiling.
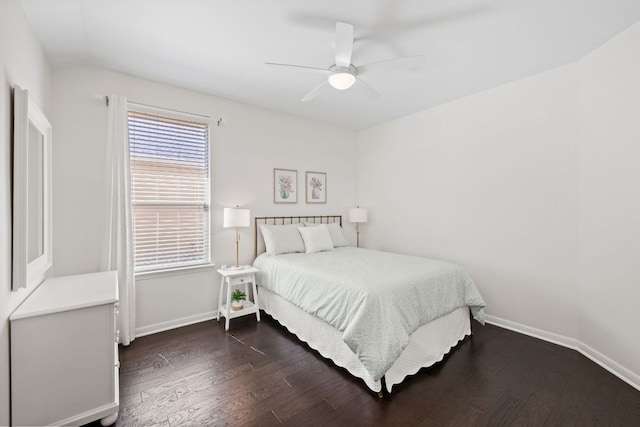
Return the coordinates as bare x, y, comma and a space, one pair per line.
220, 46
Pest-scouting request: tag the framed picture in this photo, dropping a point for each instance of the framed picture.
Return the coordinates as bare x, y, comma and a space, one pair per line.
285, 186
316, 185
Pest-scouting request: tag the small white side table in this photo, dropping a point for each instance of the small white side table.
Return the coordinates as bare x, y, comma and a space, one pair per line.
233, 278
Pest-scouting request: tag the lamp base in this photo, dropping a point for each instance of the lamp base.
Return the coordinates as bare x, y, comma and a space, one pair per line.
237, 267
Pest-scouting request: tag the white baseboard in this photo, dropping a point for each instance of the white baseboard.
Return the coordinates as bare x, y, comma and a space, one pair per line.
607, 363
176, 323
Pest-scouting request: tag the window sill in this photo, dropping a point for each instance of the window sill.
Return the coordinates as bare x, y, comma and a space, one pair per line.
146, 275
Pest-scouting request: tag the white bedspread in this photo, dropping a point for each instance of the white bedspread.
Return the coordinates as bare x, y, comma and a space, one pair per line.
376, 299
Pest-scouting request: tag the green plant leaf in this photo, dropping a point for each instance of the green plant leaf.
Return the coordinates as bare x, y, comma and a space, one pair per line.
238, 295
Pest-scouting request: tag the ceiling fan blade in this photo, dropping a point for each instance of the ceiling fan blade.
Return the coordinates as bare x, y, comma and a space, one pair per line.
324, 70
365, 89
402, 62
344, 44
314, 92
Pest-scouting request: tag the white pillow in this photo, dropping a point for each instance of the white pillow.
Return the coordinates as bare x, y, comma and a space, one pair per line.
335, 231
316, 239
281, 239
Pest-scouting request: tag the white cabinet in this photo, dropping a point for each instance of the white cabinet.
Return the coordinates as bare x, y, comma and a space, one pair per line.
64, 352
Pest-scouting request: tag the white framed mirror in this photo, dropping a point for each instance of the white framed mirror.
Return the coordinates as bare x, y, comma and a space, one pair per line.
32, 244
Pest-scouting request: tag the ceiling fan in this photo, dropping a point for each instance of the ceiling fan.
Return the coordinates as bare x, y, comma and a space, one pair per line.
343, 74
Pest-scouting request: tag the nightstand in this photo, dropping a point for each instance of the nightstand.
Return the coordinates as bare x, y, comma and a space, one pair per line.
232, 279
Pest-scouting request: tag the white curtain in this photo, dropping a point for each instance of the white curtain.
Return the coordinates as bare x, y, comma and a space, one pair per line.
118, 249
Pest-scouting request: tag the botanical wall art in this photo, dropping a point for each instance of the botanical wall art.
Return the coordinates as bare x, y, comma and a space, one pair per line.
285, 186
316, 185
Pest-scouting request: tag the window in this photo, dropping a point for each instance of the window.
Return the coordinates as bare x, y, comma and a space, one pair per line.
169, 156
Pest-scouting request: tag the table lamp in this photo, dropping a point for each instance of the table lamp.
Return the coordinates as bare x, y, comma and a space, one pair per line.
357, 215
236, 217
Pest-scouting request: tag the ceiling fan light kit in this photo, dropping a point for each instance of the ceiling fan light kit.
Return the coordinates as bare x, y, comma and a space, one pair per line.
342, 78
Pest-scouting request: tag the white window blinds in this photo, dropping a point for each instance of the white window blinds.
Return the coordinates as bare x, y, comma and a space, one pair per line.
169, 191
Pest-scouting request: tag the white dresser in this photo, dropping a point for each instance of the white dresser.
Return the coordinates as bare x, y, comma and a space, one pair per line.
64, 352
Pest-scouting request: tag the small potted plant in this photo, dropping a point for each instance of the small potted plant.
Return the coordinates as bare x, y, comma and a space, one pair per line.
237, 298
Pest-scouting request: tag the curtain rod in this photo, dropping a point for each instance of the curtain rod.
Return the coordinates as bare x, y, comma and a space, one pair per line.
219, 121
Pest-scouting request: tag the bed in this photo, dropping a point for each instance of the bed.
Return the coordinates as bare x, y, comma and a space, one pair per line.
379, 315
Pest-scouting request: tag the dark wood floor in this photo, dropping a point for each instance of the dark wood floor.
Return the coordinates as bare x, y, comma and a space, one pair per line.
259, 374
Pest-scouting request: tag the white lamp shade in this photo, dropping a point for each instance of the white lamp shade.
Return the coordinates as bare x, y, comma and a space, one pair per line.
357, 215
236, 217
342, 80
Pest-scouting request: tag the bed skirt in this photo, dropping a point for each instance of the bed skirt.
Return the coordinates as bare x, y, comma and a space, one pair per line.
427, 345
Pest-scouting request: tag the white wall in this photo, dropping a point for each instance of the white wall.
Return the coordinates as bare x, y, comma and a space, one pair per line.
489, 182
22, 62
531, 186
246, 148
610, 199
